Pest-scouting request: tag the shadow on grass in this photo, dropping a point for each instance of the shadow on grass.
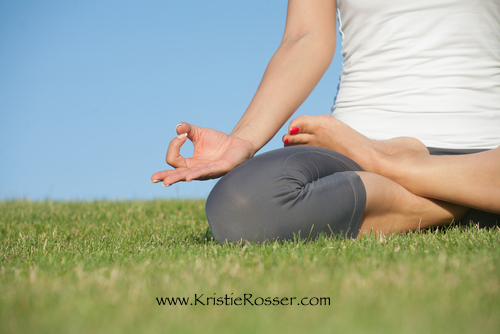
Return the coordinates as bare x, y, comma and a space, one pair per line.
473, 220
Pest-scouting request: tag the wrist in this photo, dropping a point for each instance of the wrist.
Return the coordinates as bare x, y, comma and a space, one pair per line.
251, 148
250, 137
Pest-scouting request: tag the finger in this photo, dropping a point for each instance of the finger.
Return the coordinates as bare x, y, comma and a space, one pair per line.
160, 176
189, 174
205, 173
170, 177
182, 127
192, 131
157, 177
173, 157
175, 176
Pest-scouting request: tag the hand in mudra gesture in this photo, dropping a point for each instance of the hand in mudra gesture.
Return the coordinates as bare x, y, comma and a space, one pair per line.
215, 154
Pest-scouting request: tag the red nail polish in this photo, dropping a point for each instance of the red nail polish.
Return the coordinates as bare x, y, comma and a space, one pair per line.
286, 140
294, 130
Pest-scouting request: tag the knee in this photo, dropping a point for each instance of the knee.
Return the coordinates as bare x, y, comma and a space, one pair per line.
231, 212
242, 202
264, 198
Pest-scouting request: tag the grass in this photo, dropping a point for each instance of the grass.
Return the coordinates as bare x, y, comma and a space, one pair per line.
99, 267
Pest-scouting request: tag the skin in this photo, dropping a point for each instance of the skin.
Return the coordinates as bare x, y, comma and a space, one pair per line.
395, 200
305, 52
407, 161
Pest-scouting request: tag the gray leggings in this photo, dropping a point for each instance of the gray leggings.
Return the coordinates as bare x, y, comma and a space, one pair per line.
298, 191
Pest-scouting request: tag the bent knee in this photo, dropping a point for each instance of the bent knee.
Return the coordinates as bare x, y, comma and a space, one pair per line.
233, 214
283, 194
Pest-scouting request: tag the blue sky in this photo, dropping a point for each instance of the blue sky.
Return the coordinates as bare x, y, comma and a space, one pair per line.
91, 91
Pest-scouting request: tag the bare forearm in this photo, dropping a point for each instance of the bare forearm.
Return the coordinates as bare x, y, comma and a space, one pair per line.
293, 72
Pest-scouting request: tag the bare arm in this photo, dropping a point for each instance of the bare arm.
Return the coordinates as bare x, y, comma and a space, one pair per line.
302, 58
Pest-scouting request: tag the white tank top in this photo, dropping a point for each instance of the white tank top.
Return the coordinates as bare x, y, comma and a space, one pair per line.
428, 69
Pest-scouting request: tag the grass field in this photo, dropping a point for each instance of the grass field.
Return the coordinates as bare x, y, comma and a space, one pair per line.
101, 267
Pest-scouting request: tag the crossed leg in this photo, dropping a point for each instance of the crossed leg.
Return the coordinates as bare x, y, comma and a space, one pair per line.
407, 162
274, 195
310, 190
392, 208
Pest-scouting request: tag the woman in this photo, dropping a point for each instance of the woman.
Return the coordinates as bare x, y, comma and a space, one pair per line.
422, 69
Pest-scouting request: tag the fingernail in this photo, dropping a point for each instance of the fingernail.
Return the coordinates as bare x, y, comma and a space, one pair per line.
155, 181
177, 126
182, 135
166, 185
294, 130
286, 141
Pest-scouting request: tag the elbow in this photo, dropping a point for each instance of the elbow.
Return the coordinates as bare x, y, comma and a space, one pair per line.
321, 44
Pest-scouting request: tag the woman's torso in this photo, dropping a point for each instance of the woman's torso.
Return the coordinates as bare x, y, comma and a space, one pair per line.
429, 69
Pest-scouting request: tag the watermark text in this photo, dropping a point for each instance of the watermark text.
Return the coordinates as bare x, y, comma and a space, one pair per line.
245, 299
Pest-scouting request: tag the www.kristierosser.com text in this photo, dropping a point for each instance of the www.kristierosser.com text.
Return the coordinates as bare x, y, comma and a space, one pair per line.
246, 299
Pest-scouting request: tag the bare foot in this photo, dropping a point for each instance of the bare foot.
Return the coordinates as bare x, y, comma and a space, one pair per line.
407, 161
385, 157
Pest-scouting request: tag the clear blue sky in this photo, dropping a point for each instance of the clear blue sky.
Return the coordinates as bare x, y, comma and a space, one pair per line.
91, 91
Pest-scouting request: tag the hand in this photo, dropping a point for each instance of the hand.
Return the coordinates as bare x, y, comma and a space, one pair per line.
215, 154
